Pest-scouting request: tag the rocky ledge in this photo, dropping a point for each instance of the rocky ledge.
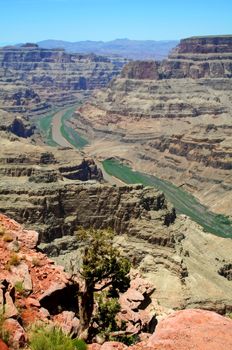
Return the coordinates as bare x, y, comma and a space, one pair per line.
33, 288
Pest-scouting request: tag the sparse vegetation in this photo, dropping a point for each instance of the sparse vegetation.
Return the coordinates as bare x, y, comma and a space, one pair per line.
36, 262
2, 230
103, 268
127, 339
51, 338
4, 335
19, 287
8, 237
13, 261
106, 313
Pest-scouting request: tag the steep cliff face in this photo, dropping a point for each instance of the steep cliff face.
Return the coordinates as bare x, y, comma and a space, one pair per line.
169, 251
197, 57
32, 79
41, 188
172, 118
55, 68
21, 161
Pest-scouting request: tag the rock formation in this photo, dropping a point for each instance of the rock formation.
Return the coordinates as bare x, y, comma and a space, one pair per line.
33, 288
41, 187
171, 118
183, 330
34, 80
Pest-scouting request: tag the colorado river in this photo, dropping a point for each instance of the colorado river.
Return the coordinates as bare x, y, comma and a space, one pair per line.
118, 174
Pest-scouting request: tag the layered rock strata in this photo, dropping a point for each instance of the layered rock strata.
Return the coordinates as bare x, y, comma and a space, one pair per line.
38, 188
171, 118
35, 80
20, 161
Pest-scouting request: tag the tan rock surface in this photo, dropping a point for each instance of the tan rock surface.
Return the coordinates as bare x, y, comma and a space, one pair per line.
171, 119
172, 257
33, 79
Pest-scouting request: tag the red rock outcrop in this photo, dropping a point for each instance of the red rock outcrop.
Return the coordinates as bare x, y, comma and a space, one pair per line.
3, 346
26, 277
33, 288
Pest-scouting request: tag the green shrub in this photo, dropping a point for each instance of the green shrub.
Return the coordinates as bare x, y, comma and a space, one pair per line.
46, 338
126, 339
107, 311
13, 261
4, 335
19, 287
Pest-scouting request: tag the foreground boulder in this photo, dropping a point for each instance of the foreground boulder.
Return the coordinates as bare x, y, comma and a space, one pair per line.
192, 329
184, 330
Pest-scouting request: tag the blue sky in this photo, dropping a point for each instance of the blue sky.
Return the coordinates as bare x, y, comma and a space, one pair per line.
74, 20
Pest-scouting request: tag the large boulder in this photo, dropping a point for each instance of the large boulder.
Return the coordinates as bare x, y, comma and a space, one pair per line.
192, 329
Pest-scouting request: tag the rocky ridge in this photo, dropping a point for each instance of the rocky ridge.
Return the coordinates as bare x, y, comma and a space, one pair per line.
33, 288
34, 80
173, 118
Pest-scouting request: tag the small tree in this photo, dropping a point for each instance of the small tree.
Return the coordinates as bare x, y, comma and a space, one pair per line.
102, 267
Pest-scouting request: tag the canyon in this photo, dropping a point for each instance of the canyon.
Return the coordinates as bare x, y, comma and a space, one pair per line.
34, 81
171, 119
53, 191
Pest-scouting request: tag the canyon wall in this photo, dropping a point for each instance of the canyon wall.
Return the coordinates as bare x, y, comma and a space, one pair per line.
171, 118
33, 80
43, 188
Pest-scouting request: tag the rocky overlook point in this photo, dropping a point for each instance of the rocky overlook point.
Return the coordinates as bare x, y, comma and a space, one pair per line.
171, 119
37, 289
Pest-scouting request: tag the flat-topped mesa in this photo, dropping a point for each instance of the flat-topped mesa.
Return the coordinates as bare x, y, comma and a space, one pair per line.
196, 57
206, 45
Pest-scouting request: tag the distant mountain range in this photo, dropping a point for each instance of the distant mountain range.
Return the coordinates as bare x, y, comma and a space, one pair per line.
132, 49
